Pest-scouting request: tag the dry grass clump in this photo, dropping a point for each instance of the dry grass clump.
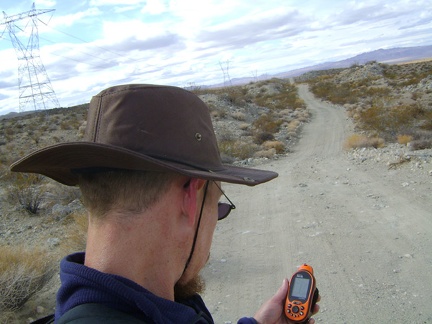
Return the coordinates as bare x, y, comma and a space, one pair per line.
23, 272
244, 126
293, 125
218, 112
237, 149
358, 141
239, 116
278, 146
404, 139
265, 153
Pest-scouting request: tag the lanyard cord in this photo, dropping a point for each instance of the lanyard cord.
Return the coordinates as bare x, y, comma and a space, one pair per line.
196, 232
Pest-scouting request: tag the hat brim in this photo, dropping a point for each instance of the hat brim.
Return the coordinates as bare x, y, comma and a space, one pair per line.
59, 162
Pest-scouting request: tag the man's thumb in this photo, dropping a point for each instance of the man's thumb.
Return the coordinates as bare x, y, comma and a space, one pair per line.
282, 291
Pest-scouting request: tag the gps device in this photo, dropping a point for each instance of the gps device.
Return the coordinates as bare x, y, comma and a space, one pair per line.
302, 295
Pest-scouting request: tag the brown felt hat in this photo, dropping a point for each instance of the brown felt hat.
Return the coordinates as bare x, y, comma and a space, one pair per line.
142, 127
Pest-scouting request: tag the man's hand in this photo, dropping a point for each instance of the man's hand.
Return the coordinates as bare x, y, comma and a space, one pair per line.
272, 311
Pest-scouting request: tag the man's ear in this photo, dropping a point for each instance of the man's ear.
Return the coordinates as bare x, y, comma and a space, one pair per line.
191, 204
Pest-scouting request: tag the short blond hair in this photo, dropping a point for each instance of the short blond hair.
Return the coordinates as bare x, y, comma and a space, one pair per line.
127, 191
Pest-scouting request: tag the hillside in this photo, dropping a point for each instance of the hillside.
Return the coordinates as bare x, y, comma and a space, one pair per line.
391, 103
257, 124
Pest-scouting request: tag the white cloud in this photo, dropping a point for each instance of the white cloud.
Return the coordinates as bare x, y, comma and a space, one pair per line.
155, 7
100, 3
45, 3
71, 19
181, 41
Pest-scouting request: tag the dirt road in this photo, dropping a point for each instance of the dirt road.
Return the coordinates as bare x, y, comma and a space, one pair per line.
367, 235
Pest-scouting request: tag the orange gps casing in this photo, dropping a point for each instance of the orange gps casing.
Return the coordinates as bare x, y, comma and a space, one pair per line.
301, 295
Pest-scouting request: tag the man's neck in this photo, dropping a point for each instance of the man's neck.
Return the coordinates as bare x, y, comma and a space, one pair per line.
132, 250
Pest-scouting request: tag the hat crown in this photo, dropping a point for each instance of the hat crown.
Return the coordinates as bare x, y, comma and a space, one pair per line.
146, 128
163, 122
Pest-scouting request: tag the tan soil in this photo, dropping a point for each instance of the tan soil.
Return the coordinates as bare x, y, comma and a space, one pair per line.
367, 235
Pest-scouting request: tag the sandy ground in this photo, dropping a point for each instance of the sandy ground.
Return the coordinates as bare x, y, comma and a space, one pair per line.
367, 236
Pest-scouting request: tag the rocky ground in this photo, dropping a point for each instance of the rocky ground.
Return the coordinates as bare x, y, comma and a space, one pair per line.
346, 212
361, 221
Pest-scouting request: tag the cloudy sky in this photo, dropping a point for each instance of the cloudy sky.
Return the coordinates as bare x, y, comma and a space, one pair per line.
88, 45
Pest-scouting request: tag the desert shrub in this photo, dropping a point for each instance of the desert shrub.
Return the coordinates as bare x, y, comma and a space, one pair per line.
265, 153
218, 113
237, 149
9, 132
404, 139
421, 144
286, 97
224, 135
239, 116
293, 125
23, 272
426, 124
341, 93
6, 176
389, 121
8, 317
244, 126
358, 141
65, 125
267, 123
236, 95
28, 191
377, 91
277, 145
261, 137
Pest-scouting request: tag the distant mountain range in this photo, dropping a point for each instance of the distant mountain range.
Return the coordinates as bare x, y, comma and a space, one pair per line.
389, 56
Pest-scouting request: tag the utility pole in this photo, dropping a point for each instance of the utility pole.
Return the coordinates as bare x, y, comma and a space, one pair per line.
34, 85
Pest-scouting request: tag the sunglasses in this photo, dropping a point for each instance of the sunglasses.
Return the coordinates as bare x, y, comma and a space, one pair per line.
224, 208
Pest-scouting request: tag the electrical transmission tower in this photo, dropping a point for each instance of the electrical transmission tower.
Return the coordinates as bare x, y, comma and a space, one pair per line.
225, 71
34, 85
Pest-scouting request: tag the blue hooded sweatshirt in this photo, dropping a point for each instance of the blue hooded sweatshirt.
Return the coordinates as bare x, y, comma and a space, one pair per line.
84, 285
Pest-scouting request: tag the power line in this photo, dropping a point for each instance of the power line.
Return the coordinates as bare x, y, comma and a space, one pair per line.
96, 46
74, 49
82, 40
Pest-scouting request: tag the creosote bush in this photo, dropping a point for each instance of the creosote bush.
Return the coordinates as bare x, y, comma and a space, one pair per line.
389, 121
23, 272
28, 191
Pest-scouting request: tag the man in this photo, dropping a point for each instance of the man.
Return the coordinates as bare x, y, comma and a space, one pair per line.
150, 174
